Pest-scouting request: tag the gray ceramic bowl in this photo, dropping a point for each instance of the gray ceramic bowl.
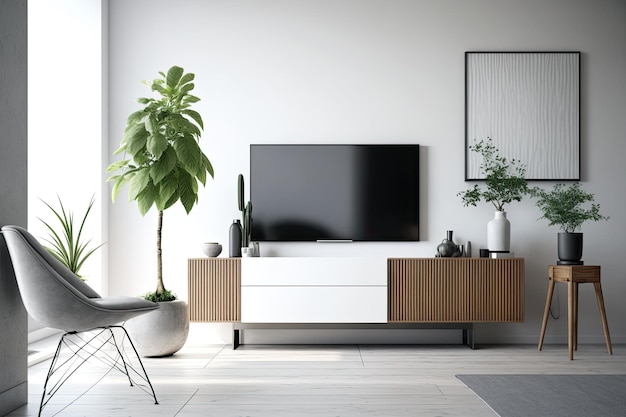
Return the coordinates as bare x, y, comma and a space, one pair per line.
211, 249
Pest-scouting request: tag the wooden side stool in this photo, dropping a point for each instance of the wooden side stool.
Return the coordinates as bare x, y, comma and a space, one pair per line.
574, 275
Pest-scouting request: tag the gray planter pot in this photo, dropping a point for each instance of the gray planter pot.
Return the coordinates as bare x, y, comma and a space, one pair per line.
570, 248
161, 332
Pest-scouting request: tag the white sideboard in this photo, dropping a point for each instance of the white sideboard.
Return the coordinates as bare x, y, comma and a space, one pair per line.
313, 290
360, 291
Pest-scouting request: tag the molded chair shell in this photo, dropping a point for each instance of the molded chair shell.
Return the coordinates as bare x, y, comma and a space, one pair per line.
57, 298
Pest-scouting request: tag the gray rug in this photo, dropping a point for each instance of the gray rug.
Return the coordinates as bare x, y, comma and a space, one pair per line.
551, 395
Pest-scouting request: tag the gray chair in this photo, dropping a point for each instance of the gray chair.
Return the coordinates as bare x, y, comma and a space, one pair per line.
57, 298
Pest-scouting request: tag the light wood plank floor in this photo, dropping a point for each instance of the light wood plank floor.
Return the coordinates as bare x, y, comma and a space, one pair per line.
311, 380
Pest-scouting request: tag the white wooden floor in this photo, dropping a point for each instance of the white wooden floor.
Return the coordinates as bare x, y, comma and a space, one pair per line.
341, 380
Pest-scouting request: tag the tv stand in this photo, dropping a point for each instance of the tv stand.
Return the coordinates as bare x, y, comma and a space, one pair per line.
356, 292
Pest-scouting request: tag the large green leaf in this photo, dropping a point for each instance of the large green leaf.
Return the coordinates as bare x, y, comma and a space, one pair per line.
163, 166
147, 197
195, 116
159, 88
173, 199
151, 124
156, 144
186, 78
188, 153
119, 184
201, 176
187, 190
186, 88
135, 139
136, 117
173, 76
117, 165
181, 124
185, 125
190, 99
139, 182
168, 189
208, 165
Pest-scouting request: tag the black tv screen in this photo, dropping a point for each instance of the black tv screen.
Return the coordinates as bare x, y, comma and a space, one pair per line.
334, 192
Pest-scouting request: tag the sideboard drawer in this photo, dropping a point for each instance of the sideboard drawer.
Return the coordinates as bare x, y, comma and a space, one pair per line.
311, 304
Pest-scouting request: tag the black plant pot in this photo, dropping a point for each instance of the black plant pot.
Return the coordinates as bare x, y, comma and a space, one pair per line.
570, 248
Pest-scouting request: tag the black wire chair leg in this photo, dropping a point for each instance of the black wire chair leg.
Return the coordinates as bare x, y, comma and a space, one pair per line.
55, 358
68, 366
120, 353
143, 369
82, 350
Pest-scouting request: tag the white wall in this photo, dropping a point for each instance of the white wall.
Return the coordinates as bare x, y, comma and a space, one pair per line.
369, 71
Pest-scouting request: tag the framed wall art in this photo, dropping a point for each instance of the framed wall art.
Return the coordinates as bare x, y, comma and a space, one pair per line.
528, 103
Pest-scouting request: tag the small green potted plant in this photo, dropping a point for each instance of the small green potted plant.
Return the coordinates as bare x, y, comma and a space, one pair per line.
567, 206
505, 182
163, 165
67, 244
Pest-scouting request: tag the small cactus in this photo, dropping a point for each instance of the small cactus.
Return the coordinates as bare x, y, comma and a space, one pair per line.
247, 224
246, 213
240, 192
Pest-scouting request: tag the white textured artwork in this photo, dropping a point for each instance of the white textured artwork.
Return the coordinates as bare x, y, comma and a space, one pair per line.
528, 103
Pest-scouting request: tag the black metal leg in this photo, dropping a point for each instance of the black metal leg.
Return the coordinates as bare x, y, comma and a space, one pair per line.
43, 402
468, 336
235, 338
89, 345
143, 369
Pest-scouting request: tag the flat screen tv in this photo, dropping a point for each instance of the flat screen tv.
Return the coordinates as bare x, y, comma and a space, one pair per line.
334, 193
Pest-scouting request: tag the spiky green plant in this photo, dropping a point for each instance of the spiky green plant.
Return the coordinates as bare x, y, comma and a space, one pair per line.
68, 244
163, 161
505, 180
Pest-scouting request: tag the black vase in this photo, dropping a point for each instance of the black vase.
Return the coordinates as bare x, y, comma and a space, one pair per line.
570, 248
234, 248
447, 248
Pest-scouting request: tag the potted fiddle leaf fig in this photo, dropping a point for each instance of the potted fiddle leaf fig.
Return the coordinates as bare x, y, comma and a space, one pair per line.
569, 207
505, 182
162, 165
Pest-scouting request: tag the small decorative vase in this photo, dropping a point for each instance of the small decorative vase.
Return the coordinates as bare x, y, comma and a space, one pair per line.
234, 247
447, 248
499, 233
570, 248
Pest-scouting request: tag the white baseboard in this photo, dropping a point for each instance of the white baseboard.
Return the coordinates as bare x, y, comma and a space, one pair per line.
42, 344
41, 334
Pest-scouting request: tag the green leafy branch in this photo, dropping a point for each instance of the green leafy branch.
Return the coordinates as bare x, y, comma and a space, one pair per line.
563, 206
505, 179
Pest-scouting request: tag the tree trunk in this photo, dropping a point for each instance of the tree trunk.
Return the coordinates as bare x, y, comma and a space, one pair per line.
160, 288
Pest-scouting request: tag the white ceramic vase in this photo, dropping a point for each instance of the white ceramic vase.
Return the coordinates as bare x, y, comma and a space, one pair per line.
499, 233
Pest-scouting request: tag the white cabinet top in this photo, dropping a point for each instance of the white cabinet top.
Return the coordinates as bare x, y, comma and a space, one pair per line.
268, 271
